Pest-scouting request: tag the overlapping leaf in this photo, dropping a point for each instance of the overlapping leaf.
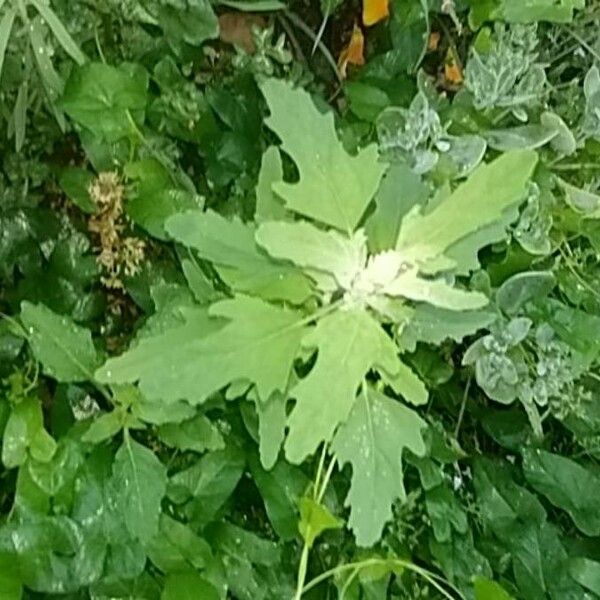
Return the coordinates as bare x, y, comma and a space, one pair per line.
349, 343
334, 187
476, 204
231, 247
372, 440
241, 338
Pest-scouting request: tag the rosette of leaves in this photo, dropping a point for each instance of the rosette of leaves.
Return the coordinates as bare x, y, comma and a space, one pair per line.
307, 321
504, 72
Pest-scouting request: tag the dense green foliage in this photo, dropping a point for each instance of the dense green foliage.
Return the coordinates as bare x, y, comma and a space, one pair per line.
273, 328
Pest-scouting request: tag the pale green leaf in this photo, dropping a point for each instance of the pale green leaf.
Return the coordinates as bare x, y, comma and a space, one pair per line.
253, 5
312, 248
350, 343
140, 481
269, 206
231, 247
272, 418
407, 384
524, 287
479, 202
433, 325
259, 343
65, 349
435, 291
523, 137
315, 519
334, 188
372, 440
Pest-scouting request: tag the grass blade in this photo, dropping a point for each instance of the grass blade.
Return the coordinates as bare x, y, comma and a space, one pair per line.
5, 30
59, 31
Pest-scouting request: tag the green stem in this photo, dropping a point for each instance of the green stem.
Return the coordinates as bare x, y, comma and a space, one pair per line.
302, 568
388, 562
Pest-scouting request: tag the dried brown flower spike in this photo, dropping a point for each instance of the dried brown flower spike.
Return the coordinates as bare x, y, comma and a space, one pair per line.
118, 255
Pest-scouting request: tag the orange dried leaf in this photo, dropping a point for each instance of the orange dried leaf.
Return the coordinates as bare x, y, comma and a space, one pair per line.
434, 41
353, 53
375, 11
453, 73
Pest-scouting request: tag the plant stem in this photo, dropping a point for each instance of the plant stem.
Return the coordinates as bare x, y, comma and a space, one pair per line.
300, 24
396, 563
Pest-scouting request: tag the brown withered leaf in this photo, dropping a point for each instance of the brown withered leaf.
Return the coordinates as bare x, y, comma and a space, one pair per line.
236, 28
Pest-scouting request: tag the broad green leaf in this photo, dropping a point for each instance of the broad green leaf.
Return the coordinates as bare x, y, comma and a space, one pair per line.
104, 427
315, 518
281, 489
188, 585
65, 349
231, 247
176, 547
197, 434
151, 209
205, 486
529, 11
479, 202
525, 287
400, 190
350, 343
25, 434
254, 570
567, 485
312, 248
486, 589
586, 572
523, 11
372, 440
75, 182
193, 22
259, 343
334, 188
445, 512
103, 98
141, 482
269, 206
11, 587
433, 325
